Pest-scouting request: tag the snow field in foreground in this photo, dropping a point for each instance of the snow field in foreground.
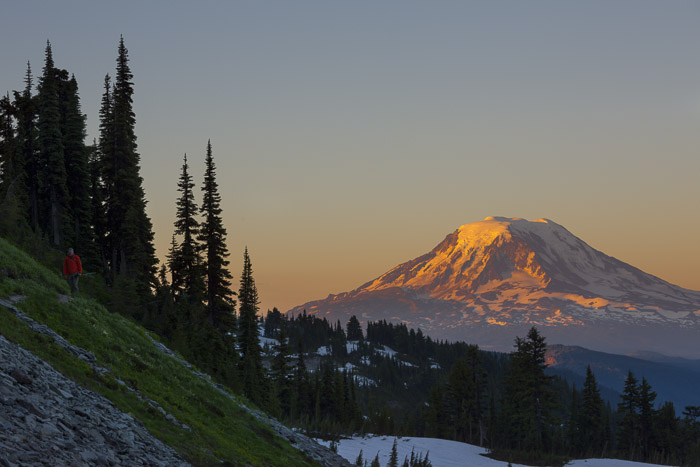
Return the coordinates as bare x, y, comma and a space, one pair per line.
443, 453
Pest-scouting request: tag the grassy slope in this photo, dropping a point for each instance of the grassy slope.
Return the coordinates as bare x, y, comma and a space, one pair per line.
221, 431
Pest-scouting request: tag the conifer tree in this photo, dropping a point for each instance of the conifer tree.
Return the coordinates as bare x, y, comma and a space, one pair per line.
647, 416
465, 398
573, 424
98, 221
52, 170
354, 330
301, 399
8, 165
12, 194
249, 341
435, 419
359, 461
27, 162
103, 172
279, 372
186, 258
529, 400
212, 238
394, 457
170, 262
628, 438
130, 233
75, 156
591, 427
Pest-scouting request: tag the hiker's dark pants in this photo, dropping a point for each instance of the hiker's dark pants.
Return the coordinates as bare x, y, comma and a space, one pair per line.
73, 282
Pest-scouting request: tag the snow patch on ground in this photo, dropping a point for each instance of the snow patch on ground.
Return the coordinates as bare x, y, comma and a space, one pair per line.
267, 341
385, 351
364, 381
443, 453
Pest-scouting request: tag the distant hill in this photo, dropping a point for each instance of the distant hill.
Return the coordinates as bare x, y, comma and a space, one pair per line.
688, 364
489, 281
671, 382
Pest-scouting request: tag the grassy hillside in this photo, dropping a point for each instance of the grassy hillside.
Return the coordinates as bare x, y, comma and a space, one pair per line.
219, 430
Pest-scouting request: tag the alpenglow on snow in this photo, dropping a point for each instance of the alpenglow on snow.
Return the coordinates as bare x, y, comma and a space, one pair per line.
489, 281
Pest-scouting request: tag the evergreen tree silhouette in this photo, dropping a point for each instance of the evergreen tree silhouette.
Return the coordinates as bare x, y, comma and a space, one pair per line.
212, 238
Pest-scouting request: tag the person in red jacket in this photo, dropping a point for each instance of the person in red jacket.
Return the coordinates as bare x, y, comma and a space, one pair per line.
72, 270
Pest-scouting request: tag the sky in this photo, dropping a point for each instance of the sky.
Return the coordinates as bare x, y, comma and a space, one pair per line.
350, 137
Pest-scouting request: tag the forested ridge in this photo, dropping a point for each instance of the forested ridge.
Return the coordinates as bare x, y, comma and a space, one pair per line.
330, 379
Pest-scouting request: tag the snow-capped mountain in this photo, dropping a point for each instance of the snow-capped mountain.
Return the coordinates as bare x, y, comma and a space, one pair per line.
489, 281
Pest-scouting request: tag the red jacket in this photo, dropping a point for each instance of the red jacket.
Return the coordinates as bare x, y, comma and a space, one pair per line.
71, 265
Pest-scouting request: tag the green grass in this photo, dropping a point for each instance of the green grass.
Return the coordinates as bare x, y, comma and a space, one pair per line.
221, 432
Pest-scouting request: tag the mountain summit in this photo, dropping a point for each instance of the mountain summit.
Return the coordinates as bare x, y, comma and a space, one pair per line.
489, 281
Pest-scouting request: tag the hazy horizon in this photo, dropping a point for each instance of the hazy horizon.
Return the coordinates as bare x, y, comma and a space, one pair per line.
352, 137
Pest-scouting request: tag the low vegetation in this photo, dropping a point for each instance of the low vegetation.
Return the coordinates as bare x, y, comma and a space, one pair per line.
219, 430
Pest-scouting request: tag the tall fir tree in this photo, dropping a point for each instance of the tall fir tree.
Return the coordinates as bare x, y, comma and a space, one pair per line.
647, 416
252, 377
98, 219
187, 260
27, 162
529, 397
8, 140
465, 398
591, 423
354, 329
628, 435
101, 172
75, 155
212, 238
52, 171
130, 232
572, 425
280, 368
300, 403
170, 260
12, 207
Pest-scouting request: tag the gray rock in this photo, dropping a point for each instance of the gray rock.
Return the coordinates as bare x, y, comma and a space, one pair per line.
88, 456
96, 436
49, 431
30, 407
127, 437
61, 392
82, 411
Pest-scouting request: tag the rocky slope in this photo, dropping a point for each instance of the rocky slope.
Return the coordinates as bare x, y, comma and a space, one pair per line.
489, 281
46, 417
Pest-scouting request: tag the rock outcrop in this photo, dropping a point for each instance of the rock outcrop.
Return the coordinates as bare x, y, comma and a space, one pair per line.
47, 419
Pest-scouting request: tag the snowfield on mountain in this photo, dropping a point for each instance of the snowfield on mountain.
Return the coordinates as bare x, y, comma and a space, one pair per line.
491, 280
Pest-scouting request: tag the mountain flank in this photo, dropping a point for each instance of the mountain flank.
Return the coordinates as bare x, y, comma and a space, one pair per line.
490, 280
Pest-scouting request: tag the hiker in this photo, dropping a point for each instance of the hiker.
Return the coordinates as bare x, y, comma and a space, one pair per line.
72, 270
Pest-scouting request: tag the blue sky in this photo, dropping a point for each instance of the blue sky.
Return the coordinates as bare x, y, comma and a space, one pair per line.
352, 136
